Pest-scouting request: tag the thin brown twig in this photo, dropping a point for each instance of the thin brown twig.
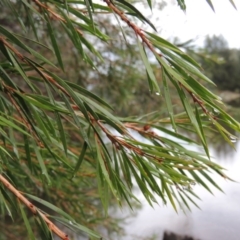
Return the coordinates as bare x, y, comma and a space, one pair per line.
135, 28
33, 209
50, 79
139, 33
119, 141
42, 73
48, 9
200, 103
145, 130
13, 49
9, 91
54, 14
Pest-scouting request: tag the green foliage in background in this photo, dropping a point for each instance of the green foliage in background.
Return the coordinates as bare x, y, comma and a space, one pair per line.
66, 154
225, 70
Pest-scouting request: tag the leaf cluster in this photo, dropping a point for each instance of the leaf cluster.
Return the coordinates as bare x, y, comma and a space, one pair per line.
64, 149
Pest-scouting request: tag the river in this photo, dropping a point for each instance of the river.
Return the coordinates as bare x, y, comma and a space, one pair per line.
218, 219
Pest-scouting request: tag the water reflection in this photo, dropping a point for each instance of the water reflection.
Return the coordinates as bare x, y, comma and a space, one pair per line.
218, 219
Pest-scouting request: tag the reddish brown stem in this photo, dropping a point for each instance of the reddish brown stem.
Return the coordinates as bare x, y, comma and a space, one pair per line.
53, 14
135, 28
32, 208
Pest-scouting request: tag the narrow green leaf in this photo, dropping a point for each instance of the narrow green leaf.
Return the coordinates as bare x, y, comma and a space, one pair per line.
149, 69
32, 22
81, 157
5, 52
163, 41
79, 15
91, 48
101, 109
19, 68
13, 38
184, 201
50, 206
167, 96
210, 4
190, 199
182, 4
138, 13
169, 194
103, 189
42, 164
32, 8
185, 65
190, 113
199, 180
199, 121
149, 176
54, 41
150, 3
4, 205
89, 6
5, 151
33, 41
41, 102
210, 179
26, 221
72, 33
125, 168
62, 132
28, 152
77, 226
39, 56
8, 123
233, 4
103, 167
89, 94
71, 92
140, 181
46, 233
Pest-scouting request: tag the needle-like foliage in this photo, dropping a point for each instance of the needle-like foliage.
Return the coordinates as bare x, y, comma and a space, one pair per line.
64, 154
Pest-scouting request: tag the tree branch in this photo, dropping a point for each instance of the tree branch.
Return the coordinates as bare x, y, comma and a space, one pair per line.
32, 208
